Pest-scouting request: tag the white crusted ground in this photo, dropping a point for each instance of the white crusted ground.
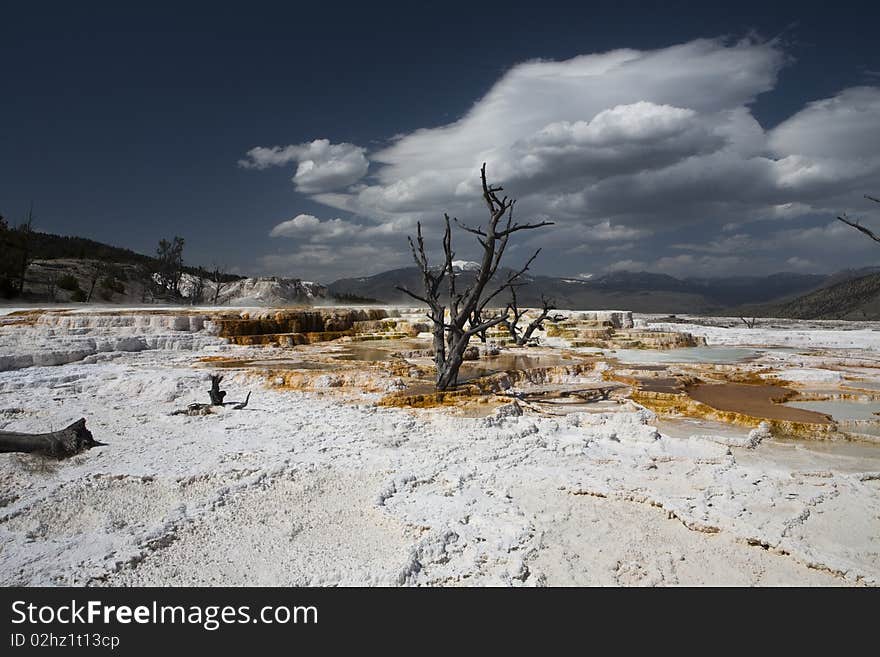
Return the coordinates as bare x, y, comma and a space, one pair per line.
305, 489
786, 333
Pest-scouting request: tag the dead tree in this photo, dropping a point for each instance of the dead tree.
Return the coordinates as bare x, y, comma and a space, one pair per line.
750, 323
855, 224
169, 259
512, 324
51, 286
466, 306
100, 269
219, 278
26, 230
59, 444
215, 393
198, 287
547, 307
144, 276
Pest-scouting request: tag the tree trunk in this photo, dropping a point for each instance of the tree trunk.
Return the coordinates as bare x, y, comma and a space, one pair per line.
447, 375
59, 444
91, 289
527, 336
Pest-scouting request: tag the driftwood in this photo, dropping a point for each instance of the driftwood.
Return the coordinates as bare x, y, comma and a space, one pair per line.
552, 395
195, 409
216, 396
59, 444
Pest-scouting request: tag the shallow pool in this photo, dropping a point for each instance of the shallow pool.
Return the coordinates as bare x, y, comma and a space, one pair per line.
862, 385
841, 409
707, 354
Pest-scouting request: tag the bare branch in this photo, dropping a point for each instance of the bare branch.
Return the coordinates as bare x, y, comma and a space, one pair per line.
487, 324
860, 228
475, 231
510, 280
412, 294
518, 227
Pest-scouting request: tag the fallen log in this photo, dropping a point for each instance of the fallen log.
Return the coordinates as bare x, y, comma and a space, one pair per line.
59, 444
557, 395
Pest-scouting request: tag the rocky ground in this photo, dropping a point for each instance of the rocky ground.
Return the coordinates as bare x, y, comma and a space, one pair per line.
323, 487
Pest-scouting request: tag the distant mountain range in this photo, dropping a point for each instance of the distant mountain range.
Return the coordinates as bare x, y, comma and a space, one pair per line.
848, 294
639, 291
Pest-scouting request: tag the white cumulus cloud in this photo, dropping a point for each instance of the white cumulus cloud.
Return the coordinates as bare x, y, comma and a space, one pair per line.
653, 151
310, 227
321, 166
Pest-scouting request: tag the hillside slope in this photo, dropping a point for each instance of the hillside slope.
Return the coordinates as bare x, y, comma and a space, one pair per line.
74, 270
856, 298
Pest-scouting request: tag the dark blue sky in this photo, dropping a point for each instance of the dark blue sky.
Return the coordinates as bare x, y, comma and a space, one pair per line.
124, 122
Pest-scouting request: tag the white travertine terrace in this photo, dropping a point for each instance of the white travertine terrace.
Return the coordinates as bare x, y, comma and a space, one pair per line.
305, 488
60, 338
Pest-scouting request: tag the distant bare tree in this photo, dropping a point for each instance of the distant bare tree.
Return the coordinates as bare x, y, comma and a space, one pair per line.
220, 280
144, 275
197, 291
25, 245
547, 306
51, 285
467, 308
100, 269
170, 265
750, 323
855, 224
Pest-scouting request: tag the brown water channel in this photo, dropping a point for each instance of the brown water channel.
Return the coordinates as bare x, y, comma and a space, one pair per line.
762, 401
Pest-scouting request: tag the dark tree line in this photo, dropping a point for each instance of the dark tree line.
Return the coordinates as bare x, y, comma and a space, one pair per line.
160, 277
16, 253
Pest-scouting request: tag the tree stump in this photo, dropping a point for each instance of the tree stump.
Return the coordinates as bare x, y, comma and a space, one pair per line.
215, 393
